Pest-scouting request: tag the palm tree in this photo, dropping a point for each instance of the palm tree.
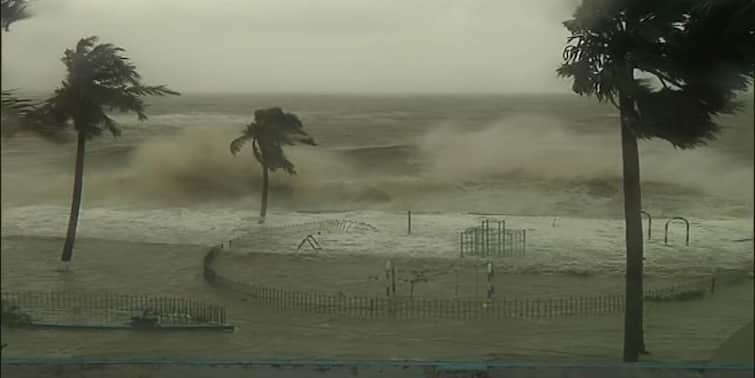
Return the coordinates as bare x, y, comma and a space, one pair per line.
271, 130
12, 11
99, 78
699, 54
24, 114
13, 107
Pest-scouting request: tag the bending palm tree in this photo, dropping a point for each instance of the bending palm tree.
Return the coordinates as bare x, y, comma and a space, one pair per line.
99, 79
271, 130
700, 53
16, 109
12, 11
24, 114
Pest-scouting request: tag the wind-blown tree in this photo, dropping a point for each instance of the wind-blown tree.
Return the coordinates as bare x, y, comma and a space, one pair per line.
12, 11
271, 130
24, 114
99, 79
669, 67
14, 108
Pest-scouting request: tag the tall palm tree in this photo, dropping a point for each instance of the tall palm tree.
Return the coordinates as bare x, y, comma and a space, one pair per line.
271, 130
699, 54
99, 79
12, 11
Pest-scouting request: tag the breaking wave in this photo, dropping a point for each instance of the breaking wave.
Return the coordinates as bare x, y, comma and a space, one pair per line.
527, 164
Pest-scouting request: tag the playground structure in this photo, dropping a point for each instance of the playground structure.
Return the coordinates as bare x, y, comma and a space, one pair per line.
107, 310
666, 226
311, 241
686, 224
650, 223
496, 241
293, 237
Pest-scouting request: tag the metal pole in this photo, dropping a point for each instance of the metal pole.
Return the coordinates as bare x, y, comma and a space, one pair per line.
491, 274
393, 279
409, 222
456, 293
388, 278
476, 281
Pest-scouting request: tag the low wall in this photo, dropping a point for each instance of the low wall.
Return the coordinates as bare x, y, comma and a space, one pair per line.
302, 368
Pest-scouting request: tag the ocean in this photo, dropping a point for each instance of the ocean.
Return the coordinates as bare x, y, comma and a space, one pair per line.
169, 187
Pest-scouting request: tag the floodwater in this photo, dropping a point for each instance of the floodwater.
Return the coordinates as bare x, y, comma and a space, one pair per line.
687, 331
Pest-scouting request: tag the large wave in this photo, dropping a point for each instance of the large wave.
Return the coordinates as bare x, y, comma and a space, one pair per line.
526, 164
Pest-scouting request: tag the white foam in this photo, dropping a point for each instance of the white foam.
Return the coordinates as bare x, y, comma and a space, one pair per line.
586, 245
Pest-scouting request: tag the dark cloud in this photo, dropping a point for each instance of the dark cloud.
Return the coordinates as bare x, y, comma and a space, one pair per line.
305, 45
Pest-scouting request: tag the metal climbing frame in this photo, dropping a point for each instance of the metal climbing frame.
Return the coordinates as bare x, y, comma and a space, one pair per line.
686, 224
311, 241
495, 241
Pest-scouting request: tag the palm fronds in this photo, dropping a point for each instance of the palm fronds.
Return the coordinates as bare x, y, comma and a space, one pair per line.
24, 114
100, 78
12, 11
702, 54
271, 130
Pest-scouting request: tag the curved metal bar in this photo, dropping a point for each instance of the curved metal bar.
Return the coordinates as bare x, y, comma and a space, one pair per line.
686, 223
309, 239
650, 223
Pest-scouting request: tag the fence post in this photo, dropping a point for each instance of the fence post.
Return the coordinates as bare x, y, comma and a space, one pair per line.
491, 275
388, 267
409, 222
461, 244
456, 287
393, 280
485, 229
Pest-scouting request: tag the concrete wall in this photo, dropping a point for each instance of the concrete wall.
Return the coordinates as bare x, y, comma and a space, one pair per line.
275, 369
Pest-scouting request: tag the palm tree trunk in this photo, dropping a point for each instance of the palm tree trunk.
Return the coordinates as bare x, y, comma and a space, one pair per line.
265, 186
78, 183
633, 316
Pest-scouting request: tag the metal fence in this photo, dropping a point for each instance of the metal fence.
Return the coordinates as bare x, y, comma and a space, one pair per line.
77, 308
413, 307
492, 239
400, 307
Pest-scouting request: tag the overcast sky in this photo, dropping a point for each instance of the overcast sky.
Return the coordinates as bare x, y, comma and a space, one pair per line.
370, 46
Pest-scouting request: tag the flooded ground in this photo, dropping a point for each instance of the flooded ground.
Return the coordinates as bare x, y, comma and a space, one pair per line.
686, 331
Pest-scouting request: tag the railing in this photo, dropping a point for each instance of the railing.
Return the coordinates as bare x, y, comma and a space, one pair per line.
414, 308
401, 307
103, 308
426, 308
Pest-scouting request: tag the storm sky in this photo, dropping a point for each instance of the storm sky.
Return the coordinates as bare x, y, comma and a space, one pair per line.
320, 46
